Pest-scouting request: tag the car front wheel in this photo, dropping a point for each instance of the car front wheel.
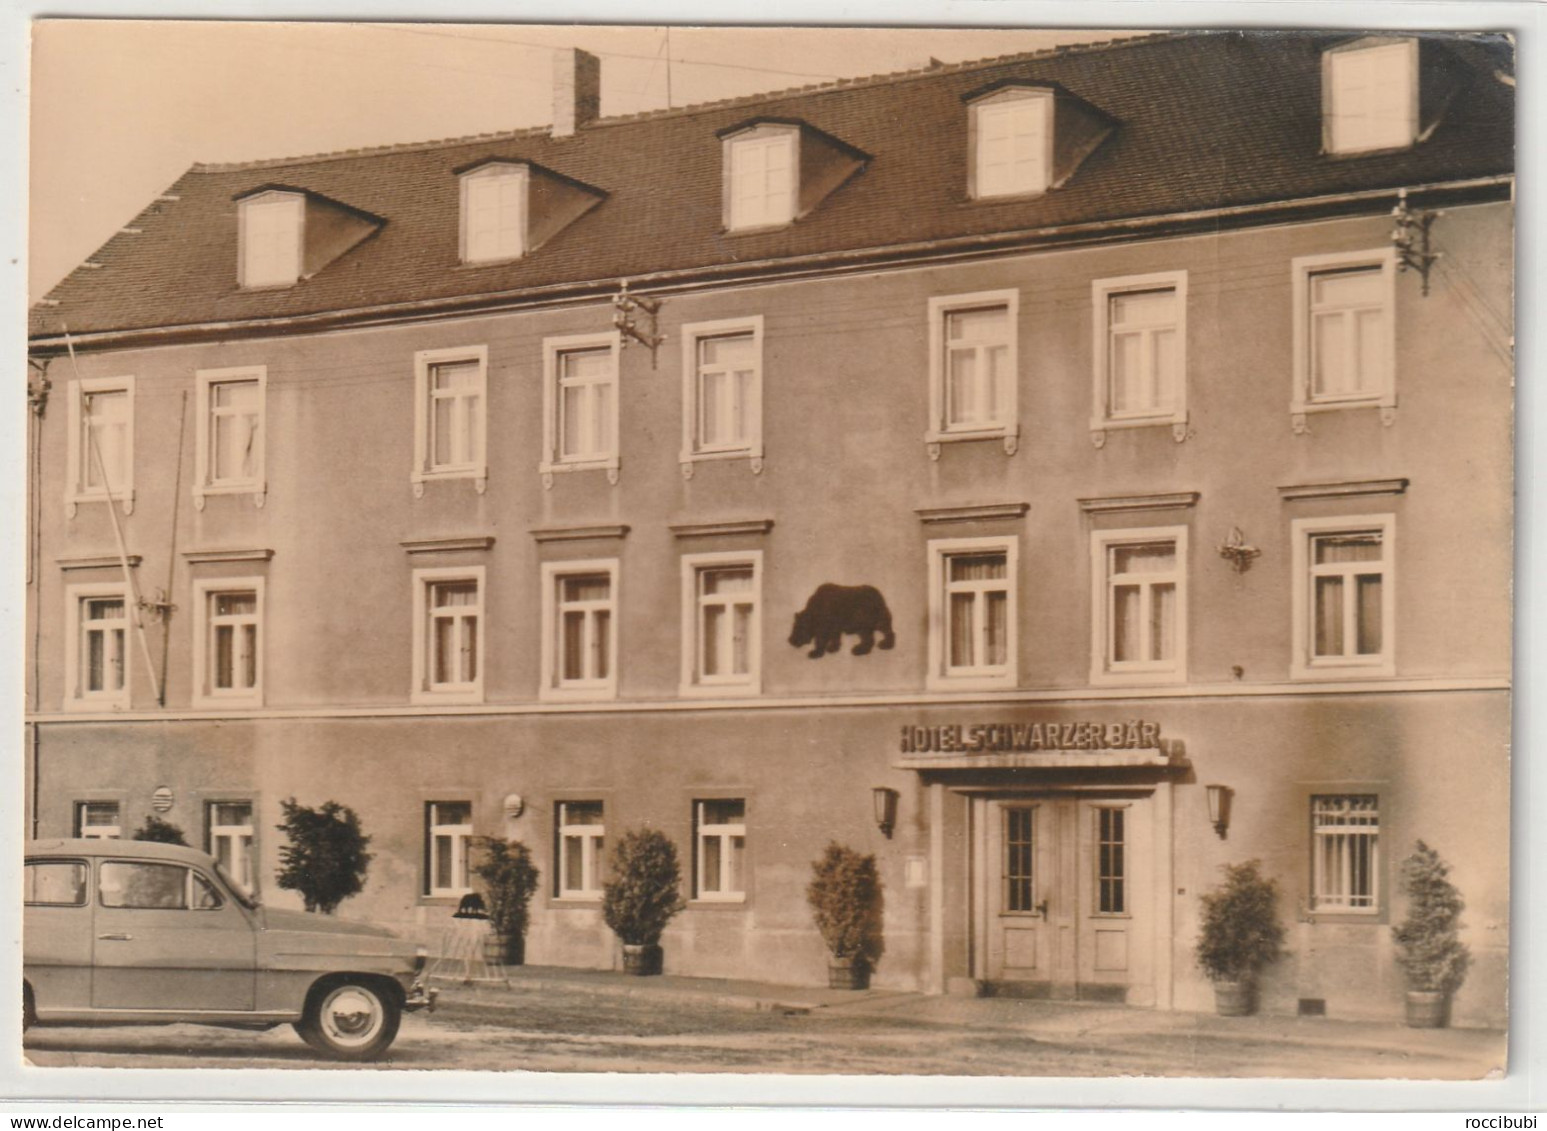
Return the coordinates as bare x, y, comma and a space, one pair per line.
350, 1020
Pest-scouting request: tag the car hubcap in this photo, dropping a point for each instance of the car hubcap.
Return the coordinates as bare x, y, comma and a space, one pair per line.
351, 1015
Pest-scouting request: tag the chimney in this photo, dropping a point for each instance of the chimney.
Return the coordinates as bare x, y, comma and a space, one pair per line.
577, 90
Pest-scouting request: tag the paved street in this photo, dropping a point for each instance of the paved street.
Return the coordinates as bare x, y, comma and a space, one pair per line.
561, 1026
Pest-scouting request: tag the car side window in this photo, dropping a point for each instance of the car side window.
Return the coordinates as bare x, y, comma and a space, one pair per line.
55, 883
143, 886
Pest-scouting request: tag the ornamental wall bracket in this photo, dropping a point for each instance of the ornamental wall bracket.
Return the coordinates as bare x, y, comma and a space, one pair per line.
1410, 239
160, 606
1235, 551
628, 309
1298, 424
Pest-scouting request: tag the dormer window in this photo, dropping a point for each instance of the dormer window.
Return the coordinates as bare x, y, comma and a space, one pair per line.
494, 213
1370, 95
762, 171
1012, 143
272, 230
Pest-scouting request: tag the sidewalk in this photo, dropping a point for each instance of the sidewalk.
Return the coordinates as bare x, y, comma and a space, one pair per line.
1052, 1020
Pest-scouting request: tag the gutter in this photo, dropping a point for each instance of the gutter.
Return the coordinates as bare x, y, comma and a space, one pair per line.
1473, 190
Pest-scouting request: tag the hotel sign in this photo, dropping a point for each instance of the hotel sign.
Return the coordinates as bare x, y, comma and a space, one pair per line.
1021, 738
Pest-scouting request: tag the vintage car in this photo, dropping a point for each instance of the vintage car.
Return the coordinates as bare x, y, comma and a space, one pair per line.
131, 932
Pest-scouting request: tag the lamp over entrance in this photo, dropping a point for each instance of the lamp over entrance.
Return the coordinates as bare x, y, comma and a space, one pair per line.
886, 809
1219, 808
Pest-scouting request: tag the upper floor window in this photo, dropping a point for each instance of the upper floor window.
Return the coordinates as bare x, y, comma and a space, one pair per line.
1344, 596
97, 663
272, 234
580, 644
448, 831
761, 177
722, 391
1011, 139
448, 635
580, 831
450, 416
1370, 95
973, 367
721, 594
1139, 631
1140, 352
101, 441
972, 613
228, 656
229, 448
1345, 332
581, 397
494, 213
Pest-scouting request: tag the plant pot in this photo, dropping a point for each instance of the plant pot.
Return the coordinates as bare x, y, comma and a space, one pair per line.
1428, 1009
848, 974
504, 950
1234, 998
641, 960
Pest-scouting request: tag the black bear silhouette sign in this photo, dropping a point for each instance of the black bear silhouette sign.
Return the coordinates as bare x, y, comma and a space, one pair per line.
834, 610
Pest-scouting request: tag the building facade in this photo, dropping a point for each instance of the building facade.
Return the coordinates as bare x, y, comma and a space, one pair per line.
1014, 454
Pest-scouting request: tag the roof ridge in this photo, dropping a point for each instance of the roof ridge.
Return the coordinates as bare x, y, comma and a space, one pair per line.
850, 83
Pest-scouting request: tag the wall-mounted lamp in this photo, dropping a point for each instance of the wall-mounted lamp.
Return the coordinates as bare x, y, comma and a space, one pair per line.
1219, 807
1410, 238
514, 805
627, 310
1235, 550
886, 809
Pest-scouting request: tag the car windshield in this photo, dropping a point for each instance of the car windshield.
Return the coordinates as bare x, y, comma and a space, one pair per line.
238, 892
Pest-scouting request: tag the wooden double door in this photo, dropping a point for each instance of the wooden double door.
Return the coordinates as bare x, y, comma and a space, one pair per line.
1066, 896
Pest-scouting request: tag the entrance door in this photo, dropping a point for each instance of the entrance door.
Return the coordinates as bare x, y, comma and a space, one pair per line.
1067, 897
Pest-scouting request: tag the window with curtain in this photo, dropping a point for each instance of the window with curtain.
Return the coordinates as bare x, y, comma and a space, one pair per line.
453, 633
104, 636
1348, 574
1349, 335
1142, 585
977, 367
1143, 369
448, 831
1345, 847
587, 385
104, 440
720, 856
235, 433
585, 616
581, 833
456, 415
977, 612
97, 820
727, 607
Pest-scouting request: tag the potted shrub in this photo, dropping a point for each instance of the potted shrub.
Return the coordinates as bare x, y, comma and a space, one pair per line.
509, 881
846, 902
1429, 948
326, 858
1240, 935
642, 896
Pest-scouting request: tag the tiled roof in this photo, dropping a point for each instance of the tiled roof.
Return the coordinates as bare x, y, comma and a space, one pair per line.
1205, 120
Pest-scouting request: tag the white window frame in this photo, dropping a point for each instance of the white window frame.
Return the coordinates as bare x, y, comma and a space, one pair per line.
724, 833
941, 677
77, 489
1331, 143
992, 103
243, 840
245, 276
751, 445
1383, 389
694, 682
592, 863
100, 832
1306, 666
76, 697
1322, 902
767, 135
204, 481
423, 690
1103, 417
1104, 670
554, 685
1007, 428
476, 469
553, 459
205, 693
461, 836
502, 251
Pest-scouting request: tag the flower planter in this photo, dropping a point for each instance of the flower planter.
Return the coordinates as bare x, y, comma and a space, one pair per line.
1427, 1009
1234, 999
847, 974
641, 960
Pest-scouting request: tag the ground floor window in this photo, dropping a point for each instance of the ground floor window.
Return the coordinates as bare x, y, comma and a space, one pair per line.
580, 831
1345, 846
231, 839
720, 844
97, 820
448, 826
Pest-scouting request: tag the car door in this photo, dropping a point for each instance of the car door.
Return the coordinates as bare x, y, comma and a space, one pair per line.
168, 938
56, 931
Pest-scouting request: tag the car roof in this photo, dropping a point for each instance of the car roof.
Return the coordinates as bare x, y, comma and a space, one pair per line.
134, 849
